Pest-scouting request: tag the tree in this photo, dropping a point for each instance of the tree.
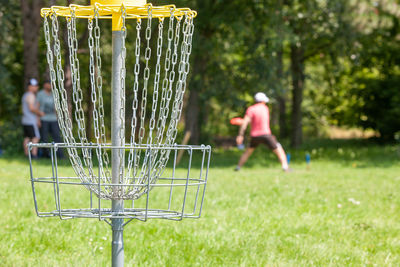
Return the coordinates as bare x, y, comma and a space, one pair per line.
316, 27
370, 82
213, 19
31, 21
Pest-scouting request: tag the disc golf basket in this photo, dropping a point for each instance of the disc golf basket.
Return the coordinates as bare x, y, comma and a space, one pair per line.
121, 180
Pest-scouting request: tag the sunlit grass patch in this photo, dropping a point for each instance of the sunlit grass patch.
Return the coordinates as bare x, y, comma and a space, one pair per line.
344, 210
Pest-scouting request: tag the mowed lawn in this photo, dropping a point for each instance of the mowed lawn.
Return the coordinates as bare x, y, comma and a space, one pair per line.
343, 211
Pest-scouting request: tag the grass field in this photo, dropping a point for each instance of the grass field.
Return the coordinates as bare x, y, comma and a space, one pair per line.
344, 211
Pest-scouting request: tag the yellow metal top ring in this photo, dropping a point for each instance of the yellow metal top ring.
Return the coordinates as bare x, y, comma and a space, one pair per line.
107, 11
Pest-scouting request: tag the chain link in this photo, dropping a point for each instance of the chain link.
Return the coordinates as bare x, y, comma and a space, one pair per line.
146, 76
183, 70
166, 90
132, 158
60, 96
99, 85
93, 72
156, 81
77, 94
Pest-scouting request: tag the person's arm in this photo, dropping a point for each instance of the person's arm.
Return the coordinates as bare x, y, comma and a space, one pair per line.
242, 130
30, 99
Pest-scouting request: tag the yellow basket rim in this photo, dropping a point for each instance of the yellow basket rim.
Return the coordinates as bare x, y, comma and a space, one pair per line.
106, 11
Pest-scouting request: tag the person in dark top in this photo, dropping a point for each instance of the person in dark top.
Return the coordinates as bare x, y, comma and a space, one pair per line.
49, 125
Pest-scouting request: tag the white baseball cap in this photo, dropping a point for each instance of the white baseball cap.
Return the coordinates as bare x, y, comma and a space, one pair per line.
261, 97
33, 82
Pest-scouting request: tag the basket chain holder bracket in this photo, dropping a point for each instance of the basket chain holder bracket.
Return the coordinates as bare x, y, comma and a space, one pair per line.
150, 145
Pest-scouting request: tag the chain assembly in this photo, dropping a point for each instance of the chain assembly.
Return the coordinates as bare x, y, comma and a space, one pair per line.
159, 84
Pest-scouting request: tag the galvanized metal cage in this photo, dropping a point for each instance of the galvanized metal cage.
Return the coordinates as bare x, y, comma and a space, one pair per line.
177, 194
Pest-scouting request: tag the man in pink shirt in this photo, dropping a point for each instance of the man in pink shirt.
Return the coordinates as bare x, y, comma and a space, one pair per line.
258, 116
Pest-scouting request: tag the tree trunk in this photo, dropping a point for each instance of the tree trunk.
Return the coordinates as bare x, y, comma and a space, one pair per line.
281, 91
283, 130
192, 117
31, 22
297, 66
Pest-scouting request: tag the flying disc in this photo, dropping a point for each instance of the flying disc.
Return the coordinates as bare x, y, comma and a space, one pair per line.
237, 121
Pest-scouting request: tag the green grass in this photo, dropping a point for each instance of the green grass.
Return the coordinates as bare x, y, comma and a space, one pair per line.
259, 216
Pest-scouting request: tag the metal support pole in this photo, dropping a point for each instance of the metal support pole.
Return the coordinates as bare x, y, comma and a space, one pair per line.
116, 159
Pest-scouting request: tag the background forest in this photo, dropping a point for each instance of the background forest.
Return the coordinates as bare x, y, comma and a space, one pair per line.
323, 63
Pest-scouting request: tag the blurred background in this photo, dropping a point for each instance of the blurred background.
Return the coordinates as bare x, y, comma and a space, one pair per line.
331, 68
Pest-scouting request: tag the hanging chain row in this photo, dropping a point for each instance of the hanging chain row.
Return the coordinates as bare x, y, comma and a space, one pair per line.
183, 70
165, 90
59, 92
99, 85
132, 155
97, 94
77, 94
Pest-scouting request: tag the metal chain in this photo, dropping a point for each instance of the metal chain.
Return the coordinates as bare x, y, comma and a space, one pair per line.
146, 75
166, 95
164, 155
69, 138
156, 81
64, 119
132, 159
92, 81
155, 98
53, 77
164, 104
92, 74
173, 87
180, 90
99, 85
77, 94
173, 122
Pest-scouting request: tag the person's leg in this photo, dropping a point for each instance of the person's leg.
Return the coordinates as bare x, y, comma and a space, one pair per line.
277, 148
29, 134
245, 156
44, 136
55, 134
25, 143
35, 140
280, 153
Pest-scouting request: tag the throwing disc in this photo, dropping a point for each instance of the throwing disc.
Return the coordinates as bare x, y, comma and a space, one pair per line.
237, 121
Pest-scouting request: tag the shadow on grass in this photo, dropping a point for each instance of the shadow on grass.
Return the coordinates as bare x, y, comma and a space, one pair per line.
363, 153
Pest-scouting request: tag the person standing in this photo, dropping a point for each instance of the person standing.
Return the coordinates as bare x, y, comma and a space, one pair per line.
258, 116
49, 124
30, 118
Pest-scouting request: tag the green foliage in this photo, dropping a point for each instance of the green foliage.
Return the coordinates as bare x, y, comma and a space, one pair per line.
378, 104
351, 51
362, 89
11, 69
11, 136
377, 84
